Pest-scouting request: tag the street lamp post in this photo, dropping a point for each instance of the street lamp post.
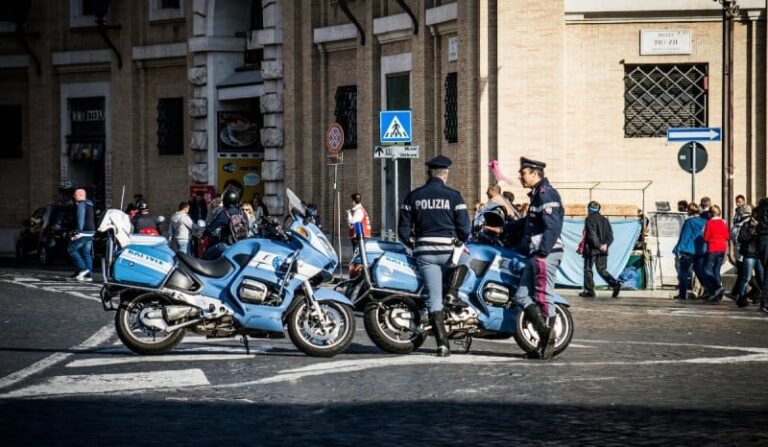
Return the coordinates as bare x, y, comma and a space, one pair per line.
730, 10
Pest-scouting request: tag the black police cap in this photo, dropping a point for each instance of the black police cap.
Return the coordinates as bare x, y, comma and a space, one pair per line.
528, 163
439, 162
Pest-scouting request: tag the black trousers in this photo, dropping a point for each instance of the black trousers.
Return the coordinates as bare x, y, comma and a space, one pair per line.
601, 261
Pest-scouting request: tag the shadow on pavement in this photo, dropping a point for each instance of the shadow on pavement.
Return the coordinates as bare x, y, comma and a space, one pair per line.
130, 422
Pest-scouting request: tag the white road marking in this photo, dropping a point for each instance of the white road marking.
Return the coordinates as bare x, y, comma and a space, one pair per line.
25, 279
110, 383
752, 354
55, 289
94, 340
710, 312
87, 363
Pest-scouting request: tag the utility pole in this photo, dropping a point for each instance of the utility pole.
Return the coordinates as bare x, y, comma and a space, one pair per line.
730, 10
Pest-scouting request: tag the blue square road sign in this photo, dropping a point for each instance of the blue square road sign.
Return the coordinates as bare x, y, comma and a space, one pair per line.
395, 126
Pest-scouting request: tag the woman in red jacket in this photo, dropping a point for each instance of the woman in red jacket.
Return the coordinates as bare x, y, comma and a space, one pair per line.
716, 236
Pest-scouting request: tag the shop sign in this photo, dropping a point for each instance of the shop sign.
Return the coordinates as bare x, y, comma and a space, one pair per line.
242, 174
656, 42
239, 132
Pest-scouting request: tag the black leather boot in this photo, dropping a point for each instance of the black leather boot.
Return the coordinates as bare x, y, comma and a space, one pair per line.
441, 337
548, 348
534, 315
457, 279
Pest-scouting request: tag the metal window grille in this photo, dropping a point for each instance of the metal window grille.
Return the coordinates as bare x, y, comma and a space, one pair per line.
11, 130
170, 126
451, 130
170, 4
346, 114
657, 97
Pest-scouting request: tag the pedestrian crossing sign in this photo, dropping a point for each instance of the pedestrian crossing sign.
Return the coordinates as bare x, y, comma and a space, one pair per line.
395, 126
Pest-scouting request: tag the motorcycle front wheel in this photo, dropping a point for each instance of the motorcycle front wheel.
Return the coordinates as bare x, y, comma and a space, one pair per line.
322, 333
138, 337
528, 339
392, 324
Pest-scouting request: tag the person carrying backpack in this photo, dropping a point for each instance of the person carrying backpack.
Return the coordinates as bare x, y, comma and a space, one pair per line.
229, 226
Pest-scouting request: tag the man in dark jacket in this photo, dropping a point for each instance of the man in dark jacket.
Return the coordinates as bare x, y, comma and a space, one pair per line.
81, 247
598, 236
761, 218
541, 229
220, 227
435, 217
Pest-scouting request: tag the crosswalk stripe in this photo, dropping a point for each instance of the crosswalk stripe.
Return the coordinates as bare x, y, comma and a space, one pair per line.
96, 339
106, 383
89, 363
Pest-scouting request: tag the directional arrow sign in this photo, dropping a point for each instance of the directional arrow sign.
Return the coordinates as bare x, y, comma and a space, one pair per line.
395, 151
693, 134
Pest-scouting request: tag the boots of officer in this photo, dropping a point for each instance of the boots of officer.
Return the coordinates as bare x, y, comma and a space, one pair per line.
457, 279
548, 345
441, 337
534, 315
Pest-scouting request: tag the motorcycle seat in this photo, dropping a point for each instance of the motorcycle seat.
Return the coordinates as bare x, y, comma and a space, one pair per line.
213, 269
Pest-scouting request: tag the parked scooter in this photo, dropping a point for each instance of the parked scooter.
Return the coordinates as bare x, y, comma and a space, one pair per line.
258, 288
390, 291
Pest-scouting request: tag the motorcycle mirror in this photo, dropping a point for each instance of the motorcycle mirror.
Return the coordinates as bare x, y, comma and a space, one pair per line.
160, 219
201, 223
295, 202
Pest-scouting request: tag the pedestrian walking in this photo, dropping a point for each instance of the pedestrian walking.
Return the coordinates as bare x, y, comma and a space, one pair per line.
598, 237
182, 228
760, 215
716, 236
357, 214
742, 215
433, 218
81, 246
690, 250
747, 242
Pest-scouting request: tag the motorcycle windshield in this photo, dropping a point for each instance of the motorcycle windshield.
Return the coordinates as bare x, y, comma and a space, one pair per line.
312, 235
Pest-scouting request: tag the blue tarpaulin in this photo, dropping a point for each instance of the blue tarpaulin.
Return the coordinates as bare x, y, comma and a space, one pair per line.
571, 271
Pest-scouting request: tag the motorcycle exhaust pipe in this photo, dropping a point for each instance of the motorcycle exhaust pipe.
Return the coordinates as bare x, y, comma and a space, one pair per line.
174, 313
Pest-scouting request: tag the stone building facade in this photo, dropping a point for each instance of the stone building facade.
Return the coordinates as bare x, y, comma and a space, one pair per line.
251, 87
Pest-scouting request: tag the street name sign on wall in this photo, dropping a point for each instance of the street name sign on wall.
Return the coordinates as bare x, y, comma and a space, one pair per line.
395, 126
653, 42
693, 134
380, 151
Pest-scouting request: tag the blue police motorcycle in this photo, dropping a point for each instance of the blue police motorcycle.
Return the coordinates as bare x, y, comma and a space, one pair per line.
257, 288
390, 292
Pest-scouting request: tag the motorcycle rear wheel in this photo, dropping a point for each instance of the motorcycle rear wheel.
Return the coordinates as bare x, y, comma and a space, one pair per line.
139, 338
386, 333
322, 338
528, 339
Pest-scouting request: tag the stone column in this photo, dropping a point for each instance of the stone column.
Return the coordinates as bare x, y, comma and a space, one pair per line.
272, 139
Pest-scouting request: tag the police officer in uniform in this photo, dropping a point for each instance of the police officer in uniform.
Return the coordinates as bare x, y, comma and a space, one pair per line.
434, 221
541, 228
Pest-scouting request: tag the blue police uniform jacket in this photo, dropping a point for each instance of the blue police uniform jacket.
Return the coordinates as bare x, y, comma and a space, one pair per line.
544, 222
434, 215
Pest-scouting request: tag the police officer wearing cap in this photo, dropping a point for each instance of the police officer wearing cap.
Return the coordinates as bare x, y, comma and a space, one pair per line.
433, 221
541, 229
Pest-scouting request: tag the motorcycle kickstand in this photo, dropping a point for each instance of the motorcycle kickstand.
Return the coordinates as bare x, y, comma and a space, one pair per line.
244, 340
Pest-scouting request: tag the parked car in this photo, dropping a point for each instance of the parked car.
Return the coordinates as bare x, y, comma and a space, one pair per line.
46, 234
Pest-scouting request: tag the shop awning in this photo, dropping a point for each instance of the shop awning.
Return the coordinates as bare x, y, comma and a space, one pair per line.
241, 85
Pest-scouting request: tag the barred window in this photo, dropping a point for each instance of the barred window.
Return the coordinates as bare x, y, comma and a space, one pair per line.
346, 114
170, 126
451, 130
657, 97
11, 130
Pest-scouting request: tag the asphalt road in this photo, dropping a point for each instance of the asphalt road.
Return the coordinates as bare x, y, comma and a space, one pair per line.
640, 371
